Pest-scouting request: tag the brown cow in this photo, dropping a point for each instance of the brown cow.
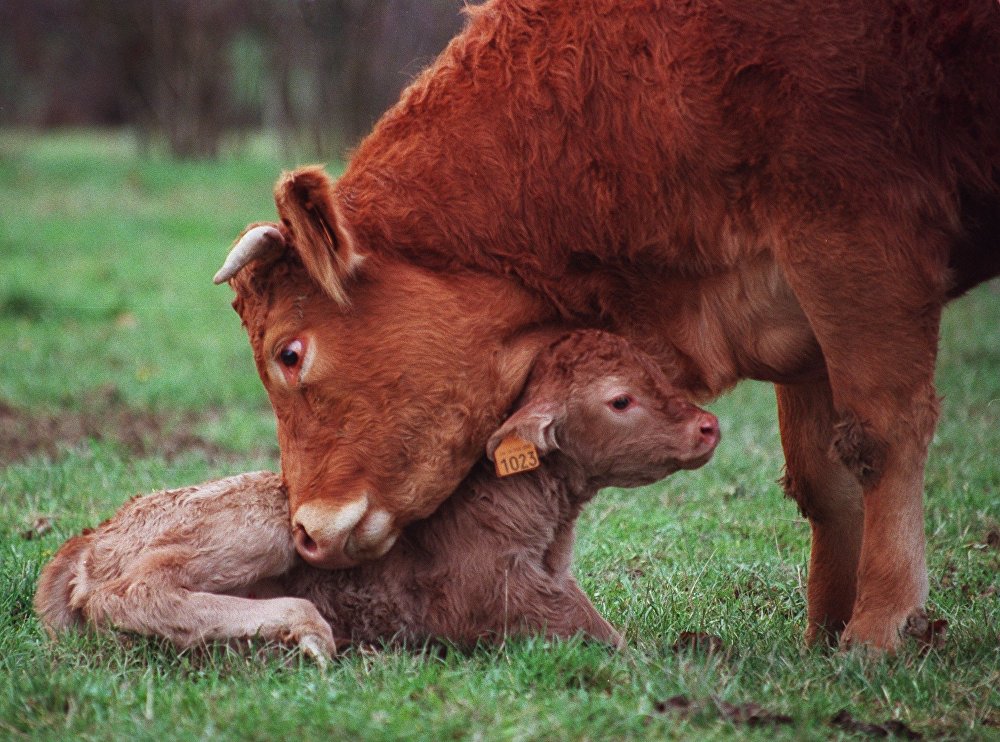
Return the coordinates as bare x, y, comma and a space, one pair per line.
493, 560
773, 190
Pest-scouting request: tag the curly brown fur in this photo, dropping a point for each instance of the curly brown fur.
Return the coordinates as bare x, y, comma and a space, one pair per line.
785, 191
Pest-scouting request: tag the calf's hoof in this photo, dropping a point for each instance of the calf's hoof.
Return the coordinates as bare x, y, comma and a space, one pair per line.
318, 648
310, 632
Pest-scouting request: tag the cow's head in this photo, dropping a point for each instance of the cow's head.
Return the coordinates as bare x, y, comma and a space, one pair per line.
386, 379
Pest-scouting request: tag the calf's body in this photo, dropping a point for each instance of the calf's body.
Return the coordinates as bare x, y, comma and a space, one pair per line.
218, 560
182, 564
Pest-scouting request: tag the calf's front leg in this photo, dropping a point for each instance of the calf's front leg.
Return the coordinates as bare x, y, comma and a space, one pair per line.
558, 607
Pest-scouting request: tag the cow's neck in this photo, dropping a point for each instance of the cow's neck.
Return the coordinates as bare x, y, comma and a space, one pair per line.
708, 325
739, 322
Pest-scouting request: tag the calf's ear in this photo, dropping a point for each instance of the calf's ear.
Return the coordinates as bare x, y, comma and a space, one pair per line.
317, 231
535, 422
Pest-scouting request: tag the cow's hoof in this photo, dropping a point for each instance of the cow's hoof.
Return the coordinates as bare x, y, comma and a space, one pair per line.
819, 635
878, 634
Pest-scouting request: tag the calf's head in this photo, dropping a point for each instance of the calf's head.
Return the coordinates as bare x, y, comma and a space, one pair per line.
386, 379
610, 411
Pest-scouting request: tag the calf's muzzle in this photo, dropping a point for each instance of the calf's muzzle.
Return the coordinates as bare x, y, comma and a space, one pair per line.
708, 427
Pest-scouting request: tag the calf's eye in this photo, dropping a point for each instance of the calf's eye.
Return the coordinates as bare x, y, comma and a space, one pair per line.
621, 402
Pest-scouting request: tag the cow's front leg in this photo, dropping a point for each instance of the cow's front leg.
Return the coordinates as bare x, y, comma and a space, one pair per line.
830, 497
875, 311
892, 573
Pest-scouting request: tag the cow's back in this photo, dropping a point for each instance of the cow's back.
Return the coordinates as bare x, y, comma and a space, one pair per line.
676, 134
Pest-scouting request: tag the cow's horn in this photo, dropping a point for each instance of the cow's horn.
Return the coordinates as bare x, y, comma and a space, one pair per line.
256, 243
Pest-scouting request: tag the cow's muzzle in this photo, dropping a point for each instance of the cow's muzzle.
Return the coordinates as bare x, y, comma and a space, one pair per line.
337, 536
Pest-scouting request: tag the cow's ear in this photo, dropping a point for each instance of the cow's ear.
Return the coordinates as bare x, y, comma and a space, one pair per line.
536, 422
316, 229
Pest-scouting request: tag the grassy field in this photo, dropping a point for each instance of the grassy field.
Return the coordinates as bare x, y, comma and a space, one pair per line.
124, 370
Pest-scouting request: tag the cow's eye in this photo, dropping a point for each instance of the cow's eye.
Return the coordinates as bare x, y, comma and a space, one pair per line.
621, 403
291, 355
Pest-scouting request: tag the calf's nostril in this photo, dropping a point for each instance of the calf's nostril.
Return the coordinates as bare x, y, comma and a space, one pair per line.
709, 428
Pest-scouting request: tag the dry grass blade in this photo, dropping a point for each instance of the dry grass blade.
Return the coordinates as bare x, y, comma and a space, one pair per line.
39, 527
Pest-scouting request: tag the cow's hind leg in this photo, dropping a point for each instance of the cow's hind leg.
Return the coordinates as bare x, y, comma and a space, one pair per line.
875, 309
830, 497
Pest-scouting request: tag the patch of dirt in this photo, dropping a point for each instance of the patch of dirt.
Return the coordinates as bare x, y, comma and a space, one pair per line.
992, 540
754, 715
892, 728
104, 417
39, 528
750, 714
930, 634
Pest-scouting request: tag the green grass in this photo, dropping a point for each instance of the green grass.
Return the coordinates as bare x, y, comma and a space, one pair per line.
106, 258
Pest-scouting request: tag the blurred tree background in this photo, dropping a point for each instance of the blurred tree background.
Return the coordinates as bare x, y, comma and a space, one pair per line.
192, 74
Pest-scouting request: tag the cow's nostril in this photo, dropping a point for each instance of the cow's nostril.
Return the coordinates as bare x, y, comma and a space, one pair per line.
320, 532
304, 540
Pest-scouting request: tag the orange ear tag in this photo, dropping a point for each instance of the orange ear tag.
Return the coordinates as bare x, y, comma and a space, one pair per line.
515, 455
